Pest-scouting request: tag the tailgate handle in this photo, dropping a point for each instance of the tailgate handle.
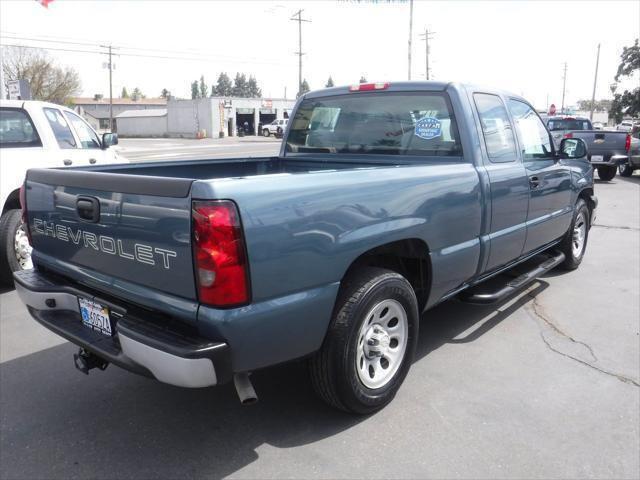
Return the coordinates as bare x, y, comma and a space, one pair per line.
599, 136
88, 209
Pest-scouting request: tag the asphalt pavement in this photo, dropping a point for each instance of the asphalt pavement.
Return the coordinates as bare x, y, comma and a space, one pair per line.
545, 385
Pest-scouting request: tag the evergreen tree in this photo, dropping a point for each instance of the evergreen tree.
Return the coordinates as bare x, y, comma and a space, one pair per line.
203, 88
253, 90
304, 88
165, 93
224, 87
194, 90
124, 93
329, 82
137, 94
240, 86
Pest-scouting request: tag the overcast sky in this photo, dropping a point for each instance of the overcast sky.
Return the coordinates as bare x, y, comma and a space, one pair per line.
516, 45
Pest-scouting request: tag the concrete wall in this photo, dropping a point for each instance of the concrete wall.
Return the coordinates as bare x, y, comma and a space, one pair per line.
186, 117
142, 126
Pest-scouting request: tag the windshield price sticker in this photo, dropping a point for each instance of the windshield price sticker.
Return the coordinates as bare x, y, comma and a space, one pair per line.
428, 128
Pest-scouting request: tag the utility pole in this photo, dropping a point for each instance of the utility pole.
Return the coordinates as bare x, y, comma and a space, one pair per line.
595, 81
110, 66
410, 34
564, 86
427, 35
297, 17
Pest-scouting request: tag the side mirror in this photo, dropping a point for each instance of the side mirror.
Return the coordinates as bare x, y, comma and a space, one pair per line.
109, 139
573, 148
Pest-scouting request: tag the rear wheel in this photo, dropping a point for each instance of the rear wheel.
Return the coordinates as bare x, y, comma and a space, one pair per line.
15, 251
625, 170
606, 173
575, 242
370, 343
265, 132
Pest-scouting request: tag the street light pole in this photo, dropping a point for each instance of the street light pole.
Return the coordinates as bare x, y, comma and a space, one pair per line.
410, 35
595, 81
564, 86
427, 35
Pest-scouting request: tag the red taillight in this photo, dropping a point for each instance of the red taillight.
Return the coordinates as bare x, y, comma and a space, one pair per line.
219, 254
627, 143
568, 135
365, 87
23, 208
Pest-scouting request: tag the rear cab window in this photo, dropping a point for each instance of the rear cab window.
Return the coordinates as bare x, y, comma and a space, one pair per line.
378, 123
17, 130
568, 124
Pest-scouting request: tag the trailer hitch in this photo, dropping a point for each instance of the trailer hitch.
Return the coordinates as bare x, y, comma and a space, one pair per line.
85, 361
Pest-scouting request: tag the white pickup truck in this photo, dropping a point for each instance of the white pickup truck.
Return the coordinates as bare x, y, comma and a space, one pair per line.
276, 127
39, 135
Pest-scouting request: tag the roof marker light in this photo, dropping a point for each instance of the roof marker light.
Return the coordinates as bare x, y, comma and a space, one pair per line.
367, 87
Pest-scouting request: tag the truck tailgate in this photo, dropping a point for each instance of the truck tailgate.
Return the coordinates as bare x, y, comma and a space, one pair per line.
127, 227
603, 142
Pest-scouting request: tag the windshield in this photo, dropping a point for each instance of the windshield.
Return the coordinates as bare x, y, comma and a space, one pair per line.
376, 123
569, 124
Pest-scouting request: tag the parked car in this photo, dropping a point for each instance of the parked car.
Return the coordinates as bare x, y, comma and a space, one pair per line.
38, 134
607, 150
624, 126
276, 127
632, 164
385, 200
560, 125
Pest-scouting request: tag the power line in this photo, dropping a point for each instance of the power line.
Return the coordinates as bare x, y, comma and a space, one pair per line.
299, 19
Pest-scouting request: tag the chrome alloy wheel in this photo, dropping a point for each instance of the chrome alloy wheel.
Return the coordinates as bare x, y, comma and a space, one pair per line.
382, 343
22, 248
578, 235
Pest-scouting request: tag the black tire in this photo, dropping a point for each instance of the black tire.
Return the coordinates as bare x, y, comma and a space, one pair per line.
606, 173
265, 132
9, 223
625, 170
333, 368
573, 260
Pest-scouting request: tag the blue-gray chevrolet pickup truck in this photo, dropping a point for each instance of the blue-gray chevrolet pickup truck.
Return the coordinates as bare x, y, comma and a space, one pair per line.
385, 200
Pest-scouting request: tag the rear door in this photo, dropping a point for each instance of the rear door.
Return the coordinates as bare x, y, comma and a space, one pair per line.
509, 182
110, 227
549, 178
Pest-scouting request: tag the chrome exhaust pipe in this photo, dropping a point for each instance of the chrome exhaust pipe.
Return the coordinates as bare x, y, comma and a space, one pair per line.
246, 393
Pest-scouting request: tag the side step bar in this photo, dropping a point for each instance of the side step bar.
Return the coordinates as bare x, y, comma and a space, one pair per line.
514, 285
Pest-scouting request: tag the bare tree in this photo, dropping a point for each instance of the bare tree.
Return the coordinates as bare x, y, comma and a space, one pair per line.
48, 81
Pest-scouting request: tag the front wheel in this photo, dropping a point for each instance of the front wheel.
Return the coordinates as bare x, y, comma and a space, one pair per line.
265, 132
370, 343
625, 170
15, 251
575, 242
606, 173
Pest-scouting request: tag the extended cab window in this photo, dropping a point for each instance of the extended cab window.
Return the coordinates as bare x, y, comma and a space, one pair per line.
376, 123
496, 128
534, 137
88, 138
17, 130
60, 128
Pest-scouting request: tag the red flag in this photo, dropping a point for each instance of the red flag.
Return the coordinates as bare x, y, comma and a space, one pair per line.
45, 3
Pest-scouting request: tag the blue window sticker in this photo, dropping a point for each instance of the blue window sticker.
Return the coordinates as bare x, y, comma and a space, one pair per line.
428, 128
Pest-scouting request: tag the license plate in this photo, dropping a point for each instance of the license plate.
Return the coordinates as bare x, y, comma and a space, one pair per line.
95, 316
597, 158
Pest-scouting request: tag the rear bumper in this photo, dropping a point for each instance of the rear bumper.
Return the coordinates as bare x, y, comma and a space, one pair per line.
162, 350
609, 160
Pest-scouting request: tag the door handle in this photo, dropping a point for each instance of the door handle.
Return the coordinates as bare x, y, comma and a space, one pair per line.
534, 182
92, 161
67, 162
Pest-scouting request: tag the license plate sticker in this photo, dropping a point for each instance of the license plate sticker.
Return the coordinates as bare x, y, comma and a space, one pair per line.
95, 316
597, 158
